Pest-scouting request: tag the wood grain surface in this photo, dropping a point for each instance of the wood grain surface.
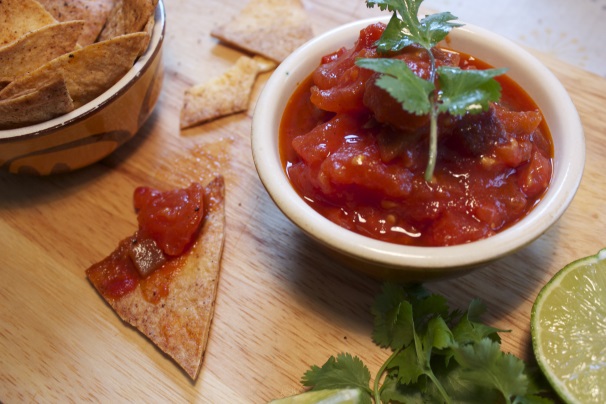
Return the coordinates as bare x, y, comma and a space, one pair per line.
282, 305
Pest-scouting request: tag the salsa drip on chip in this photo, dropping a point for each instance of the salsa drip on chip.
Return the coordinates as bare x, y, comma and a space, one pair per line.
86, 45
163, 279
169, 222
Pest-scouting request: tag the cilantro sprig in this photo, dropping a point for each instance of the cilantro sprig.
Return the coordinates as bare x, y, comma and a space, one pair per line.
437, 355
458, 91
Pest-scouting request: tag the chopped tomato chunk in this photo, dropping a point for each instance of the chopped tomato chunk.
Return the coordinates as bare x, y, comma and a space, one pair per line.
172, 218
338, 82
116, 275
168, 224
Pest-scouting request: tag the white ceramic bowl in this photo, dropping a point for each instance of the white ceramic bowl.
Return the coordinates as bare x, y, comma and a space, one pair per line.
391, 261
94, 130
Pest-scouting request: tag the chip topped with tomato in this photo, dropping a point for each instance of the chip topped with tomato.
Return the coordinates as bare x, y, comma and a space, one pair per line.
163, 278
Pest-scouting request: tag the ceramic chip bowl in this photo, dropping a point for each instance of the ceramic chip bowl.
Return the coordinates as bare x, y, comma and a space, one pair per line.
397, 262
94, 130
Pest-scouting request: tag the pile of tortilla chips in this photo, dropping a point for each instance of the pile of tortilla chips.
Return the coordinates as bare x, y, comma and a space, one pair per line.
58, 55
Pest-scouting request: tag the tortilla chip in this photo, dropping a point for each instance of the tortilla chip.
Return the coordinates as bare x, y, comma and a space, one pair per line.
149, 27
88, 71
126, 17
270, 28
221, 96
180, 324
94, 12
18, 17
41, 105
265, 65
37, 48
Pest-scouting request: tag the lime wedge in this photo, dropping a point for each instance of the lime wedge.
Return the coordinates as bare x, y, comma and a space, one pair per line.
568, 327
336, 396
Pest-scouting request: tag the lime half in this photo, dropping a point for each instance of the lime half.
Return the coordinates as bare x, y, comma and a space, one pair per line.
336, 396
568, 326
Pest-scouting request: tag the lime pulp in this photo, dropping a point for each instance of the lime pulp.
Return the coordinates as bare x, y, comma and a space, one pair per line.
568, 326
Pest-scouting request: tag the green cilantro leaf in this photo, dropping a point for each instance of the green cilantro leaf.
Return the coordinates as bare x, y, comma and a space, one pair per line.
461, 91
405, 29
488, 366
393, 39
438, 336
470, 91
344, 371
408, 367
470, 330
428, 306
460, 388
431, 362
436, 27
394, 392
403, 7
393, 325
401, 83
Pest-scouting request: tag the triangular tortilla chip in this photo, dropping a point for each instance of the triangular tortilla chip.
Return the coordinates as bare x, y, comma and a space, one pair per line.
128, 16
180, 323
220, 96
94, 12
41, 105
18, 17
265, 65
270, 28
88, 72
37, 48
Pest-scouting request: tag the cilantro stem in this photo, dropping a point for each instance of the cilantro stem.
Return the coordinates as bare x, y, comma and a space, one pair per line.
382, 370
433, 142
423, 358
433, 122
432, 62
439, 386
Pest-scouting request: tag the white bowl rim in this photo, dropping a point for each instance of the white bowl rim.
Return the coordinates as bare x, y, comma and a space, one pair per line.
568, 167
112, 93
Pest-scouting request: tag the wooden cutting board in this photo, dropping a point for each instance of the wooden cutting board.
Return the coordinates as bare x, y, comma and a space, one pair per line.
282, 305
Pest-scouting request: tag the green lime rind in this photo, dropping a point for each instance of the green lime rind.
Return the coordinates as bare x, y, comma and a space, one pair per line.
332, 396
568, 326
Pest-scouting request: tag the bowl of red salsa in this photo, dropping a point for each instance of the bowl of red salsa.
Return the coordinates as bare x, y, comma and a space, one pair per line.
344, 162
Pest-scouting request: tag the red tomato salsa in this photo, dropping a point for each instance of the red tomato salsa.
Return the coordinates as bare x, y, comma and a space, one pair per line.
169, 222
357, 158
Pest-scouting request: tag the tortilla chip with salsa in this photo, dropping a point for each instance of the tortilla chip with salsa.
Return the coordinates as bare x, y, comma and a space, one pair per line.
173, 304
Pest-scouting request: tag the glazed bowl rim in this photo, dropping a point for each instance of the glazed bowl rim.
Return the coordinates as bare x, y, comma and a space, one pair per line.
107, 97
569, 158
